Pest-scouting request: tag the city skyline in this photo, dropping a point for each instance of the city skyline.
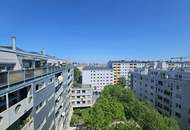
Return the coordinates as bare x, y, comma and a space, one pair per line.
98, 31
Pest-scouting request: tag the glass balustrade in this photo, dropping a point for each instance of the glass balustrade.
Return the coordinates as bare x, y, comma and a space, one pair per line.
13, 77
29, 74
16, 76
3, 78
38, 72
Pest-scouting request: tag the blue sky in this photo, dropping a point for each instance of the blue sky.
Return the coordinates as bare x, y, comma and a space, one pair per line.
98, 30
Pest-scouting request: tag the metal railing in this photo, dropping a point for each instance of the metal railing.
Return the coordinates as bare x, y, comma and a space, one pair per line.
12, 77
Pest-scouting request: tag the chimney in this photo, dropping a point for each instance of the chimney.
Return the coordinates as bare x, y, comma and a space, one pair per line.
13, 43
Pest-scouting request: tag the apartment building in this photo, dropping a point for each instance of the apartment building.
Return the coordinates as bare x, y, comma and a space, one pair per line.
34, 90
177, 64
81, 96
122, 68
167, 89
97, 77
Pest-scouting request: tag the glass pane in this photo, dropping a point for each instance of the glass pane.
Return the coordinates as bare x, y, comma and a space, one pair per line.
16, 76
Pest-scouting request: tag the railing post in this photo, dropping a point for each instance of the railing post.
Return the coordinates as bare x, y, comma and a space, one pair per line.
24, 75
8, 83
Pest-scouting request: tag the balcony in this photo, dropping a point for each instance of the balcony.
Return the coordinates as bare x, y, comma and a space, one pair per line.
27, 123
13, 77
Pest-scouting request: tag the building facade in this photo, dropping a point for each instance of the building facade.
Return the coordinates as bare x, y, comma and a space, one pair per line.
167, 89
122, 68
81, 96
35, 90
97, 77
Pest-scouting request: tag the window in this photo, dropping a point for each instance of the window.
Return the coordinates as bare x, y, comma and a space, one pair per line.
78, 96
50, 81
166, 108
83, 91
166, 100
178, 105
178, 87
159, 105
18, 96
78, 102
160, 83
39, 86
178, 114
159, 97
40, 106
78, 91
83, 102
3, 105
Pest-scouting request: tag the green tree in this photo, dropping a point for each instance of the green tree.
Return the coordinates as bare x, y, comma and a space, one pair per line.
122, 81
117, 108
77, 75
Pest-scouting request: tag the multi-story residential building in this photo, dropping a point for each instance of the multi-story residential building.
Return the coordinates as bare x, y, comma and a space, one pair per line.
34, 90
81, 95
97, 77
167, 89
177, 64
122, 68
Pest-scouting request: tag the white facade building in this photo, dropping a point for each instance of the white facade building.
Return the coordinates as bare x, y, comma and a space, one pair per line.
97, 77
167, 89
35, 90
122, 68
81, 96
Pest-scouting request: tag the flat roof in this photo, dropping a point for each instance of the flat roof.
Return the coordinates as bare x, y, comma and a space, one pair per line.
129, 61
96, 68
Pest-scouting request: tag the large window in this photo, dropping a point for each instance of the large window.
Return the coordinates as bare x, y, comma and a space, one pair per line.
18, 95
2, 103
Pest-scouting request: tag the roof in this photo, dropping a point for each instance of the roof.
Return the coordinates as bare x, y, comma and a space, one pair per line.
10, 47
177, 62
23, 52
96, 68
129, 61
77, 85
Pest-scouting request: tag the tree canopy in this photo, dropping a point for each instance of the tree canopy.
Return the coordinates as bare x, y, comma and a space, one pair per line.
77, 75
118, 109
122, 81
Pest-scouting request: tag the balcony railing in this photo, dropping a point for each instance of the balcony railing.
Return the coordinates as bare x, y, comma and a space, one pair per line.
16, 76
3, 78
12, 77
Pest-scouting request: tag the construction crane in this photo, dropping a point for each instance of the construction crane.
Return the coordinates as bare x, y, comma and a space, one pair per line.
180, 58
